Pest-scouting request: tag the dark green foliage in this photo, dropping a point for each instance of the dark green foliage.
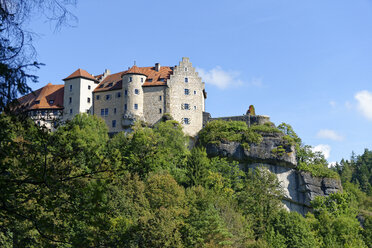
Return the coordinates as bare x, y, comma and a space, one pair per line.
358, 170
291, 230
260, 198
78, 188
218, 131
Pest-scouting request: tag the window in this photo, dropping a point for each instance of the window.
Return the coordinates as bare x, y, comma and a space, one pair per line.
136, 91
126, 92
110, 84
70, 87
125, 107
38, 101
194, 92
42, 112
108, 97
88, 99
70, 100
185, 68
88, 87
114, 110
88, 111
101, 86
118, 95
186, 121
160, 111
113, 123
187, 106
70, 111
161, 79
187, 91
51, 101
141, 80
97, 97
186, 80
104, 112
130, 79
149, 80
194, 107
159, 98
135, 106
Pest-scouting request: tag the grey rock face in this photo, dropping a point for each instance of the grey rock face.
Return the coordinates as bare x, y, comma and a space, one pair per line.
300, 187
263, 152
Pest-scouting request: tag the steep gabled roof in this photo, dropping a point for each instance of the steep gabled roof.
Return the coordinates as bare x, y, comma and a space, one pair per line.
48, 97
80, 73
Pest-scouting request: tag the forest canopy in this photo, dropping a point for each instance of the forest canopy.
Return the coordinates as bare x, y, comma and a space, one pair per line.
77, 187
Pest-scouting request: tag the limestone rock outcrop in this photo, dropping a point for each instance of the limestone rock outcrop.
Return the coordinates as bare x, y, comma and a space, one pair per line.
280, 158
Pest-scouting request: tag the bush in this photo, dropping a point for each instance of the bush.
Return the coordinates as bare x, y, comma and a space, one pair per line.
318, 170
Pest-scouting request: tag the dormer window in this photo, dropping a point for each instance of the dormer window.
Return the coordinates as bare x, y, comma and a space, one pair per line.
51, 101
161, 79
149, 80
101, 86
37, 102
110, 84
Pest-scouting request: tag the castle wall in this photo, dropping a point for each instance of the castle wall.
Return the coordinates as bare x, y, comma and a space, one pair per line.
114, 104
132, 83
179, 101
154, 103
81, 95
71, 90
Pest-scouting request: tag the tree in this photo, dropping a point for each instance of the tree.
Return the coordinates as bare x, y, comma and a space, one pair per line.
17, 55
260, 198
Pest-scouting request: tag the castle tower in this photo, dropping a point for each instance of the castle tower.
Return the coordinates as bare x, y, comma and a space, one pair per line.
132, 81
78, 93
186, 97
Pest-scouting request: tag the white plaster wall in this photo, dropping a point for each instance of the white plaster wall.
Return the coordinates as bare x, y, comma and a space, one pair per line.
79, 95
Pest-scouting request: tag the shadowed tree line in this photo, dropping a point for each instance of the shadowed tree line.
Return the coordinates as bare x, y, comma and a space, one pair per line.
77, 187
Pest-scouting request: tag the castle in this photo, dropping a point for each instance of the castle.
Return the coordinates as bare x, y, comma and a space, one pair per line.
137, 94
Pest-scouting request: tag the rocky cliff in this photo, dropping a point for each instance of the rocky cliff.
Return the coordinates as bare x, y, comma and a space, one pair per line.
280, 158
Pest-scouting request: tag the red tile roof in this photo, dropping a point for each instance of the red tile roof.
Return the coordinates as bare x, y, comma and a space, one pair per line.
48, 97
80, 73
115, 79
154, 78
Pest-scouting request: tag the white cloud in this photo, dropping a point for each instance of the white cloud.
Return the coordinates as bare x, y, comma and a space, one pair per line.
329, 134
224, 79
332, 164
332, 103
364, 99
325, 149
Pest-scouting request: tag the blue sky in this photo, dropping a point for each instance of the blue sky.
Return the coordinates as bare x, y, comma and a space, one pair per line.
306, 63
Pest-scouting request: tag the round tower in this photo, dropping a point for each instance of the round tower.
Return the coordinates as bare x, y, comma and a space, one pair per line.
132, 81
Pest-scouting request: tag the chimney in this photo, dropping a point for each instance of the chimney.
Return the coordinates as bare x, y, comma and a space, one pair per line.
107, 72
157, 67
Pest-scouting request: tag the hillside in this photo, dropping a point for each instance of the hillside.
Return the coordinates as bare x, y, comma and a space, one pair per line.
77, 187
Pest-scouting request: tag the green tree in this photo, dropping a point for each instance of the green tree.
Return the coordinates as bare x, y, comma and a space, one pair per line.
260, 198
